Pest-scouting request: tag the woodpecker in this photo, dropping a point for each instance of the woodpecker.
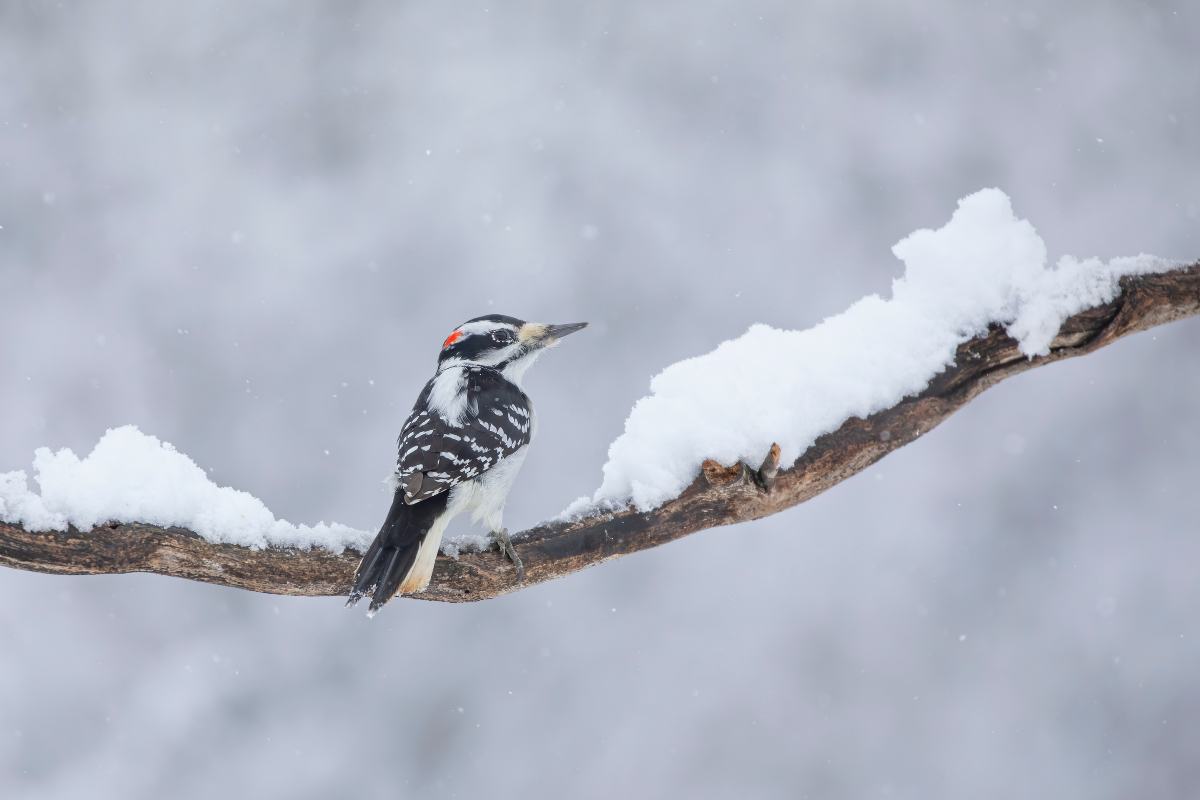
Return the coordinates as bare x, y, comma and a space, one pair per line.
459, 451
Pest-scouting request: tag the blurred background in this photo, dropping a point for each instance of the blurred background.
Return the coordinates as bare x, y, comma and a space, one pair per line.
247, 229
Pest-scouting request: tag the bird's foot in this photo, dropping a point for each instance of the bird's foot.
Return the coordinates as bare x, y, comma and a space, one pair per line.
508, 551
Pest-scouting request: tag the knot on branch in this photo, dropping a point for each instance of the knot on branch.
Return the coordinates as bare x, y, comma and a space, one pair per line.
723, 477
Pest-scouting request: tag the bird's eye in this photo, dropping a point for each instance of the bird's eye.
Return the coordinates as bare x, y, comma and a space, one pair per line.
503, 337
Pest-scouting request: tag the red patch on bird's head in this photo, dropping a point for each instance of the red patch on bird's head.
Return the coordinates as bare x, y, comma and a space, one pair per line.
451, 339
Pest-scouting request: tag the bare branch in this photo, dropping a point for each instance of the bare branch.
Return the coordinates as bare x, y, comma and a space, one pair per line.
719, 496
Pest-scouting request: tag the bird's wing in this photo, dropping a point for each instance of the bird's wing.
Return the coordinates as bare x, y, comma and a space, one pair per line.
435, 455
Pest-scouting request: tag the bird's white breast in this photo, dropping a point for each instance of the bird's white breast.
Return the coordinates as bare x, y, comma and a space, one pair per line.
484, 497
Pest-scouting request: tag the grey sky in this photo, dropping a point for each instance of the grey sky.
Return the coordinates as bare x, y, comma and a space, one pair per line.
247, 228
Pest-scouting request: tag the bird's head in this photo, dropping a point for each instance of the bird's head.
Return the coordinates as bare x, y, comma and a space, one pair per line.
504, 343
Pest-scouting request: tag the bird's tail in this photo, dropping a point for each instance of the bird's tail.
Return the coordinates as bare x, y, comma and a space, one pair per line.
402, 555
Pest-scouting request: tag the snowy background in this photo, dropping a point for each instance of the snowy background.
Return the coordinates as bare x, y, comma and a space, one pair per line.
247, 230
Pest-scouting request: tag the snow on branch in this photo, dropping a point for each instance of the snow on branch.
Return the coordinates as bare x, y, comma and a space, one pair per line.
761, 424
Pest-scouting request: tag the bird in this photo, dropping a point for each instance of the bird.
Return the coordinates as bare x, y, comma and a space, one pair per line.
458, 452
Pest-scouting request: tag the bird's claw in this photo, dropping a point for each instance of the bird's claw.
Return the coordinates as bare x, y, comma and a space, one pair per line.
504, 543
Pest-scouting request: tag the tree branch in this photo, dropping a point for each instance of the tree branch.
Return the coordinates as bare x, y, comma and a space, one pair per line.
719, 496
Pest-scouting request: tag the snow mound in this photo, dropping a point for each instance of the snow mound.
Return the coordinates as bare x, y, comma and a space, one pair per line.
984, 266
132, 477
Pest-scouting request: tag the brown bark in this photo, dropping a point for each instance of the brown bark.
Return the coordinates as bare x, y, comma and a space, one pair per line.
719, 496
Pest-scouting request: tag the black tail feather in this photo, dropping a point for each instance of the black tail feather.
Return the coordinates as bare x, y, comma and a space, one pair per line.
366, 572
399, 562
388, 560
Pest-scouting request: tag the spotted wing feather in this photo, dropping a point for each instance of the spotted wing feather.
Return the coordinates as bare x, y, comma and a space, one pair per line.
436, 455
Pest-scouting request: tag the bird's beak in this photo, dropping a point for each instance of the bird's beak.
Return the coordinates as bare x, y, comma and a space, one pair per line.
548, 335
557, 332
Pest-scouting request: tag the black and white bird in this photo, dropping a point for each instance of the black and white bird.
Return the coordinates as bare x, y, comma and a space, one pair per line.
460, 451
